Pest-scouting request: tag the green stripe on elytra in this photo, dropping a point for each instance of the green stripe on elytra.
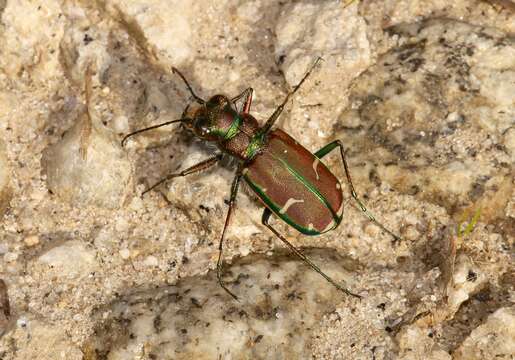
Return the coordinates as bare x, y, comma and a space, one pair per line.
276, 209
311, 188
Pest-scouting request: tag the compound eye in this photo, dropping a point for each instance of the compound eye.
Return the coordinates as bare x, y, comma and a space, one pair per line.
202, 126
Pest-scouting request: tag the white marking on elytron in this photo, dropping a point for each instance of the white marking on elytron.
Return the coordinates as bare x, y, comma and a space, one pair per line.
315, 164
338, 186
245, 171
329, 226
289, 203
285, 151
264, 190
310, 227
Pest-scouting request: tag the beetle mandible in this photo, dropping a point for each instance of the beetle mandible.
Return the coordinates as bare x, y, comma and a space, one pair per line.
292, 183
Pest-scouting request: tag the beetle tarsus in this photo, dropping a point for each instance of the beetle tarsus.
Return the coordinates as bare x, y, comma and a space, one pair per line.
326, 150
265, 218
350, 293
219, 273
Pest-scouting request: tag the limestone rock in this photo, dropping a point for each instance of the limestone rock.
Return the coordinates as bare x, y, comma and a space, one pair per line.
280, 302
437, 110
70, 260
494, 339
88, 168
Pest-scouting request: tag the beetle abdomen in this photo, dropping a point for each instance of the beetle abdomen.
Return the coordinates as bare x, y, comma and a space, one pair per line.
296, 185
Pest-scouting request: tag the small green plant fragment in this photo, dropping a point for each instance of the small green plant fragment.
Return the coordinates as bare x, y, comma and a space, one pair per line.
470, 226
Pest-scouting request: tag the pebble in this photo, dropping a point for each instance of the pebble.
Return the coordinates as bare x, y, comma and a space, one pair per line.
125, 253
151, 261
71, 259
11, 257
31, 240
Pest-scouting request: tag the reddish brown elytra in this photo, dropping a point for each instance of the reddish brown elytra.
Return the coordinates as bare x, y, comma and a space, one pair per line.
290, 181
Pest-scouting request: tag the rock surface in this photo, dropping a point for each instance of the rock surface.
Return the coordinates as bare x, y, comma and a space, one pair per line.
280, 306
5, 175
420, 92
496, 337
5, 307
86, 167
436, 110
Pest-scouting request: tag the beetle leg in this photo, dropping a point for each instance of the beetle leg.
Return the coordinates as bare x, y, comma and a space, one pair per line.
270, 122
191, 170
247, 95
326, 150
232, 205
264, 220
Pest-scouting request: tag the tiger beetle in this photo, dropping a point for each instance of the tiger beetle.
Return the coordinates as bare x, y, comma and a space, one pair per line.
291, 182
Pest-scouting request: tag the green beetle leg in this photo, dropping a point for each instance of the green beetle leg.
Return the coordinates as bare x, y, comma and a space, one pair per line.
201, 166
326, 150
232, 205
247, 96
264, 220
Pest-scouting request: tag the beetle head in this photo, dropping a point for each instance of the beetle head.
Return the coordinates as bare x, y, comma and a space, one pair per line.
204, 117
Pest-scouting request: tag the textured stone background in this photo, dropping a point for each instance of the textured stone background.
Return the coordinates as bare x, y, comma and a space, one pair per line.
422, 94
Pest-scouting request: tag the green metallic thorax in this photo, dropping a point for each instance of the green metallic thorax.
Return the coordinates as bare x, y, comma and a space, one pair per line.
232, 131
236, 134
256, 144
